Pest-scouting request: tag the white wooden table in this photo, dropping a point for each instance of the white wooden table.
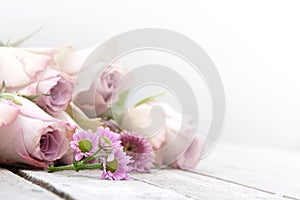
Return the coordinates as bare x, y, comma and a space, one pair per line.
231, 172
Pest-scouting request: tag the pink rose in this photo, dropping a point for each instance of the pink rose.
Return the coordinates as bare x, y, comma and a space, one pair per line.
102, 92
69, 156
73, 62
69, 61
27, 71
63, 59
191, 157
148, 121
96, 82
31, 136
172, 139
19, 67
57, 85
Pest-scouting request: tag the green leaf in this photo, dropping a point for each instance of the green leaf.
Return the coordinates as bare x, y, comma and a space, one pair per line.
118, 114
1, 44
107, 114
3, 87
115, 111
122, 99
22, 40
151, 98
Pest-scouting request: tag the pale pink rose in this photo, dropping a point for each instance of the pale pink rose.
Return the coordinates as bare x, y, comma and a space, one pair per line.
19, 67
26, 70
174, 141
102, 92
147, 120
69, 156
97, 79
191, 157
59, 86
70, 61
62, 58
31, 136
73, 62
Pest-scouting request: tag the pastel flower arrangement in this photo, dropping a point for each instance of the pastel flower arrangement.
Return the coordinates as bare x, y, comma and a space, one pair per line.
38, 130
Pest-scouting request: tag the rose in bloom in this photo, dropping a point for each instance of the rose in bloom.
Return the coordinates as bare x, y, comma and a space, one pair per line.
103, 91
73, 62
96, 81
27, 71
171, 134
31, 136
58, 88
19, 67
191, 157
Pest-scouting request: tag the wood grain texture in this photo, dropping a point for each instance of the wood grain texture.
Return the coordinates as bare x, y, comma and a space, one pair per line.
230, 172
161, 184
15, 187
200, 187
87, 185
273, 170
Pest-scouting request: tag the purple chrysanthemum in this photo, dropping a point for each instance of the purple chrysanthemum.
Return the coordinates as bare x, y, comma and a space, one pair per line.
108, 139
139, 149
115, 167
85, 143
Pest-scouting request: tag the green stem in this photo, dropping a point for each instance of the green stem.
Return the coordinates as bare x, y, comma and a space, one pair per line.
85, 160
60, 168
12, 97
91, 166
72, 167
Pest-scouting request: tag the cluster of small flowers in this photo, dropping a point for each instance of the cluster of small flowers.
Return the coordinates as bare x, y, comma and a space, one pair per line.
115, 154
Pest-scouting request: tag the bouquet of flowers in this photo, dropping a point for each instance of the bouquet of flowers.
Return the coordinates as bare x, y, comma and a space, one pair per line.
47, 123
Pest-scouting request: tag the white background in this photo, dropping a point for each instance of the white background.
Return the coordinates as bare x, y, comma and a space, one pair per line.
254, 44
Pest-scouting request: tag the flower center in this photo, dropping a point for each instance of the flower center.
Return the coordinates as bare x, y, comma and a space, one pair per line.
106, 140
85, 146
112, 166
130, 147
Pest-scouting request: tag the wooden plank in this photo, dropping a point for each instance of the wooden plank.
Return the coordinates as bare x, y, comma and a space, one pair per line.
273, 170
160, 184
15, 187
87, 185
201, 187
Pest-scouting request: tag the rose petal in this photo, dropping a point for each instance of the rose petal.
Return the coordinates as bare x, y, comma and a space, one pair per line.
8, 114
30, 110
22, 152
19, 67
191, 156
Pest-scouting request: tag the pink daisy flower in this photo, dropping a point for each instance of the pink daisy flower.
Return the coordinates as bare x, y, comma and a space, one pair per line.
115, 166
108, 139
139, 149
85, 143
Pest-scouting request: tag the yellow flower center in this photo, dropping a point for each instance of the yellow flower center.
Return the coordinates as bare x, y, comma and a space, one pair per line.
112, 166
85, 146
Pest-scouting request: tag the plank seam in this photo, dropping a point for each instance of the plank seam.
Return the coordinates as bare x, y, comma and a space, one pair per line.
42, 184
